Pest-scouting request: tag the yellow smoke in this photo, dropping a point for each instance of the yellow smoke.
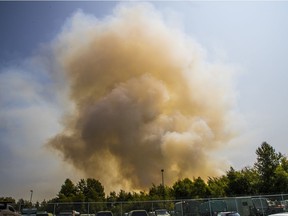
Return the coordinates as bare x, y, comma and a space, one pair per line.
144, 99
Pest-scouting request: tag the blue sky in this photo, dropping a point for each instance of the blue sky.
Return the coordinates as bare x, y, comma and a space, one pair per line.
249, 37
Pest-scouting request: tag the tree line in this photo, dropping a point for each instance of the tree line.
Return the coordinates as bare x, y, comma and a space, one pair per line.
268, 175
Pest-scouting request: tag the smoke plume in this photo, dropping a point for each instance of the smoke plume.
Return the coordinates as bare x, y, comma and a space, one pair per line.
144, 100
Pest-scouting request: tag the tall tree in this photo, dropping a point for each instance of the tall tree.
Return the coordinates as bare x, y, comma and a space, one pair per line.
267, 162
92, 190
68, 190
95, 190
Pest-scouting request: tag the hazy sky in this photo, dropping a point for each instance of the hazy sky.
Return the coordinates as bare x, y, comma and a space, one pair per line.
249, 38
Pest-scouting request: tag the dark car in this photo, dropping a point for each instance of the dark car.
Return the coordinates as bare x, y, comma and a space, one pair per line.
104, 213
138, 213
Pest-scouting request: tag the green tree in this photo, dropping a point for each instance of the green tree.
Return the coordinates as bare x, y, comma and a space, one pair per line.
182, 189
123, 196
284, 163
68, 191
156, 192
95, 190
200, 189
267, 162
217, 186
21, 203
7, 199
43, 206
252, 177
112, 197
281, 180
239, 182
91, 190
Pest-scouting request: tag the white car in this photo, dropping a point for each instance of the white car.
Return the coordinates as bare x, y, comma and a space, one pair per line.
7, 210
279, 214
161, 212
228, 213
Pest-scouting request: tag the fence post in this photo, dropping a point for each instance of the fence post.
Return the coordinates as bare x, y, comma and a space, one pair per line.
236, 205
210, 207
54, 208
182, 213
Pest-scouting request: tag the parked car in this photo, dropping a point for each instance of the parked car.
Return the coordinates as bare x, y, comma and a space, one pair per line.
7, 210
279, 214
151, 213
261, 207
69, 213
104, 213
161, 212
229, 213
138, 213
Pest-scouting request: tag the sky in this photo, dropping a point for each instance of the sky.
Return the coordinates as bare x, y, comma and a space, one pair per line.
212, 89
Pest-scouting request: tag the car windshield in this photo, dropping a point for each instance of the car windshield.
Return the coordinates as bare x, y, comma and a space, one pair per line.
233, 214
139, 213
104, 214
161, 212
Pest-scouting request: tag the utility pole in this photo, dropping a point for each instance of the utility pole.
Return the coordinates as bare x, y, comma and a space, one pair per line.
31, 191
162, 171
163, 187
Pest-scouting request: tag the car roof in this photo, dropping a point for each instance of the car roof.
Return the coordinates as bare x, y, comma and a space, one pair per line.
279, 214
138, 210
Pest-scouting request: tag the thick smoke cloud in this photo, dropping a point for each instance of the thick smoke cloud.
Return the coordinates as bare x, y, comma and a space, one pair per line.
144, 100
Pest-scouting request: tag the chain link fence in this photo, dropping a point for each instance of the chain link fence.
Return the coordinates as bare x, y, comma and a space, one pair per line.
245, 206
